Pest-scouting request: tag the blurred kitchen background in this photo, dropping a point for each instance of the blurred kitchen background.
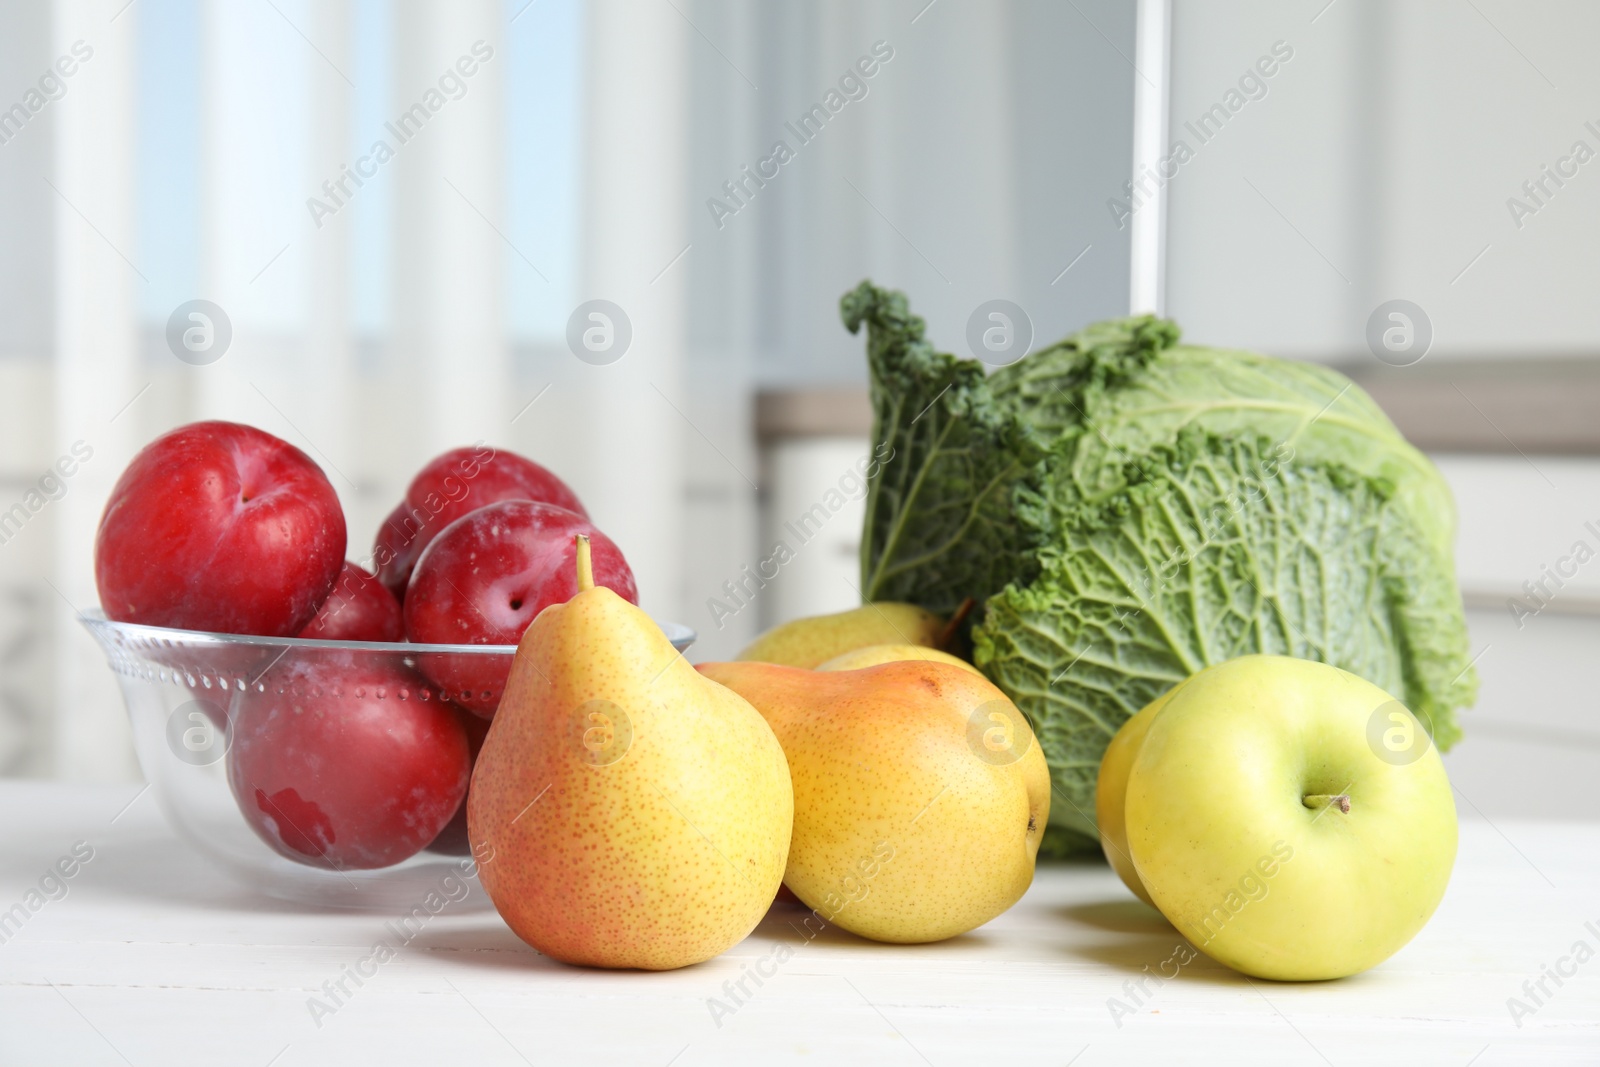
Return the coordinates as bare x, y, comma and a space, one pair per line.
204, 150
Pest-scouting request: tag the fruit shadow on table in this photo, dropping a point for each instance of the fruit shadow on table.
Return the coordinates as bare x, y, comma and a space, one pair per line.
486, 942
162, 869
1141, 941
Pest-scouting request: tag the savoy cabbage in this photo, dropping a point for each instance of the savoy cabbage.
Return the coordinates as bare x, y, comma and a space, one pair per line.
1128, 510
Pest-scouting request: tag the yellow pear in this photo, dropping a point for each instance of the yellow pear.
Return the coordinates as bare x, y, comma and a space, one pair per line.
625, 811
920, 793
872, 655
810, 641
1111, 793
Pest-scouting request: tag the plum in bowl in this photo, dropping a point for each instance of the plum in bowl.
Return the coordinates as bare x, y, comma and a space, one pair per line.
323, 772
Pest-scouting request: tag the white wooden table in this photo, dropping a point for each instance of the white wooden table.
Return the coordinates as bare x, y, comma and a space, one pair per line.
153, 958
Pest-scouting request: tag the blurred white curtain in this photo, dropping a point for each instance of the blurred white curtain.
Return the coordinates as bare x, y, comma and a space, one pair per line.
326, 409
448, 327
97, 374
626, 427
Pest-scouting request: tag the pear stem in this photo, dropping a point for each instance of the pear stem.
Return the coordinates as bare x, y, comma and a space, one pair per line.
948, 634
585, 564
1322, 800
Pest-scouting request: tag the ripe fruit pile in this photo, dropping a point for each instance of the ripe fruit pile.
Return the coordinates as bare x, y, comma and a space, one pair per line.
631, 811
346, 758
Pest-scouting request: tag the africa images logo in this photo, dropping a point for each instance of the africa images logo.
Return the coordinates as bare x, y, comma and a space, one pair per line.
741, 189
452, 85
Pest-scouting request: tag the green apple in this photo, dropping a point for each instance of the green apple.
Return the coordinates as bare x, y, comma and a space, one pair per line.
1290, 819
1111, 790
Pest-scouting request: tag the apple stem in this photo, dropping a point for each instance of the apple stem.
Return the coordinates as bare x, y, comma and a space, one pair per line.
585, 564
1322, 800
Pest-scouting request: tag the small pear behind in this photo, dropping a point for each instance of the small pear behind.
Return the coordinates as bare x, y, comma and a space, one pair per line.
872, 655
810, 641
625, 811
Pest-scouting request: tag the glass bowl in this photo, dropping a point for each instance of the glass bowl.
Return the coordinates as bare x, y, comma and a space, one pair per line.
186, 691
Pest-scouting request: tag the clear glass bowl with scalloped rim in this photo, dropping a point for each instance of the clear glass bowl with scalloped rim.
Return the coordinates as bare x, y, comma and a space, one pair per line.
189, 694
